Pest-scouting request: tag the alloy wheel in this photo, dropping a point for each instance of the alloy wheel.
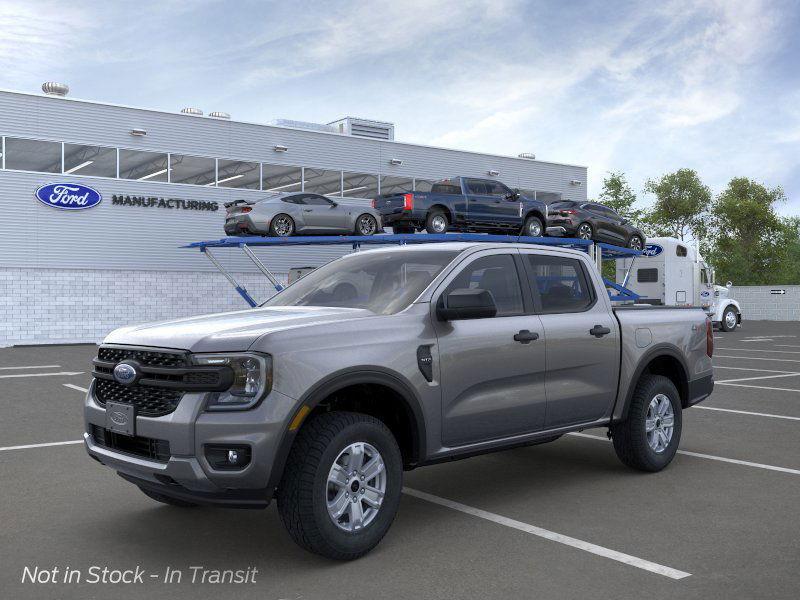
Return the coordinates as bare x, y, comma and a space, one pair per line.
282, 226
366, 225
585, 231
439, 223
730, 319
659, 423
534, 228
356, 486
635, 243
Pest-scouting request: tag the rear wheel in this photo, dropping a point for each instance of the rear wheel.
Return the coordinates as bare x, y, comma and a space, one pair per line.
366, 224
584, 232
167, 499
729, 319
437, 222
648, 439
341, 487
533, 227
281, 226
635, 243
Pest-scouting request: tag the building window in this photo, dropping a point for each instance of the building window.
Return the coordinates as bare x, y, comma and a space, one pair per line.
321, 181
144, 166
423, 185
280, 178
96, 161
194, 170
396, 185
237, 174
359, 185
33, 155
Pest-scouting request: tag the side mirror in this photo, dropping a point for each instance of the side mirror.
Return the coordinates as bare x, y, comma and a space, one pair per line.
512, 195
729, 285
466, 304
334, 204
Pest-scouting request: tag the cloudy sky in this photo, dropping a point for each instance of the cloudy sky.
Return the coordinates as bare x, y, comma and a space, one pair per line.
641, 87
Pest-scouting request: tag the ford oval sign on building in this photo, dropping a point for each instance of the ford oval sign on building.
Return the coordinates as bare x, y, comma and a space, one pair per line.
652, 250
68, 196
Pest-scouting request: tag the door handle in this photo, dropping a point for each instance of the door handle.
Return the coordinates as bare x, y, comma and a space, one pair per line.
525, 336
599, 331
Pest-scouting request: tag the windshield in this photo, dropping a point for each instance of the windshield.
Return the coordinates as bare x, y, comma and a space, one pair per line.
381, 282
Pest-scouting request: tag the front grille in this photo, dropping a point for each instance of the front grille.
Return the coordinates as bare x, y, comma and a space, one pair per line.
149, 401
144, 447
149, 358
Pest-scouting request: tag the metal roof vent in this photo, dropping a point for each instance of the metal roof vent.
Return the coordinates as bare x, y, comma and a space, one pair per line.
192, 111
377, 130
51, 88
219, 115
527, 155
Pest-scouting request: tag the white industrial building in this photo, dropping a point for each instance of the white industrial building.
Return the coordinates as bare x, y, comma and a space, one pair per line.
73, 275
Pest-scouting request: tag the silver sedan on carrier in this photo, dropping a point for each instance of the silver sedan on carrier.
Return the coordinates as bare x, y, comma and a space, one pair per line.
299, 213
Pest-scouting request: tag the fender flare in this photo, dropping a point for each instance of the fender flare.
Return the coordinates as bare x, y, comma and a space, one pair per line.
655, 352
340, 380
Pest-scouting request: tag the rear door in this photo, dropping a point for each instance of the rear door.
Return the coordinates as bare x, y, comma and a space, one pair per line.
582, 338
492, 385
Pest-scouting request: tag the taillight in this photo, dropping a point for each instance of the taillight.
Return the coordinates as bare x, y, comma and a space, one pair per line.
568, 212
408, 201
709, 338
246, 209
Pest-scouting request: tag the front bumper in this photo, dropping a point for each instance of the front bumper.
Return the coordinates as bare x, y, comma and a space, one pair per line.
188, 430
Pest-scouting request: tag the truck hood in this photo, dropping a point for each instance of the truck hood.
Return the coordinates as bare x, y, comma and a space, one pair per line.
230, 331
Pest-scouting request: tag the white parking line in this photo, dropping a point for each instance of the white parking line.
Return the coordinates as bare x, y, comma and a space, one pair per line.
759, 350
627, 559
41, 445
31, 367
757, 387
760, 377
709, 456
751, 369
747, 412
758, 358
41, 374
76, 387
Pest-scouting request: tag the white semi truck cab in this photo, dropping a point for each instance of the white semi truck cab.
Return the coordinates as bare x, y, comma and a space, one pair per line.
672, 273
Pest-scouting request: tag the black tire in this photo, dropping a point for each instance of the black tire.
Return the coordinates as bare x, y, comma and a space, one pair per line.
302, 493
584, 227
432, 222
277, 220
532, 224
630, 437
403, 228
360, 230
635, 242
724, 324
167, 499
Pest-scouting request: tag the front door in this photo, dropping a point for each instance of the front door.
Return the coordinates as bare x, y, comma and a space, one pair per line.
582, 339
488, 205
492, 384
324, 215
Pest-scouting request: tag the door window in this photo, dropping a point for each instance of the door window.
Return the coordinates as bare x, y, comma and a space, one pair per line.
560, 283
498, 275
477, 187
495, 188
317, 200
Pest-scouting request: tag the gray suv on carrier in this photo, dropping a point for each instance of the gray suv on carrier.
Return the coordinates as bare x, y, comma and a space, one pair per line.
383, 361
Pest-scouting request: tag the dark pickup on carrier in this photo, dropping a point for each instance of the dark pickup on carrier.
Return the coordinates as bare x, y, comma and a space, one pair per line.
464, 204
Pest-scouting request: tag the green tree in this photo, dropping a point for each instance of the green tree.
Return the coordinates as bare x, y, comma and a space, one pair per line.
681, 205
617, 194
750, 243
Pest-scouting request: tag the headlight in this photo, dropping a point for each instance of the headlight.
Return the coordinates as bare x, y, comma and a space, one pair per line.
252, 379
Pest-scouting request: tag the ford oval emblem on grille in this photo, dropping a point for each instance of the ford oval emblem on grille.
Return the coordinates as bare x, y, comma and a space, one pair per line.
125, 374
119, 418
68, 196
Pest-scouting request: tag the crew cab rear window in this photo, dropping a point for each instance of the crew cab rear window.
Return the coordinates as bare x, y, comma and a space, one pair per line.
560, 283
647, 275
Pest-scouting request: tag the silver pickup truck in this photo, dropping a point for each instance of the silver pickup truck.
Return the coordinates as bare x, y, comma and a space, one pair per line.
383, 361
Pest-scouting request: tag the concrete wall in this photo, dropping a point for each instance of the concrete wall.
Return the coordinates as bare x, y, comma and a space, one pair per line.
760, 304
52, 306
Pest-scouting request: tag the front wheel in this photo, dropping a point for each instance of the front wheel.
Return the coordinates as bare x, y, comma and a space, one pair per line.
648, 439
635, 243
281, 226
341, 487
533, 227
366, 225
729, 320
